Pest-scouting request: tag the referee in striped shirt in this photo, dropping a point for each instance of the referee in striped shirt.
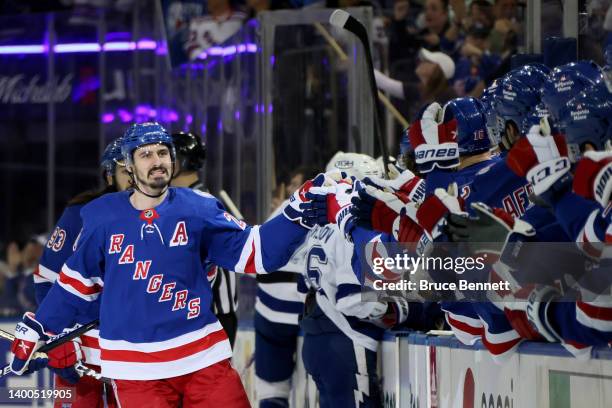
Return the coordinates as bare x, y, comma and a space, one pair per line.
190, 157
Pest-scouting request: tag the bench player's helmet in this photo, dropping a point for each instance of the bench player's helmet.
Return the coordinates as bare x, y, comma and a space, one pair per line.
587, 119
472, 135
356, 165
110, 158
567, 81
190, 150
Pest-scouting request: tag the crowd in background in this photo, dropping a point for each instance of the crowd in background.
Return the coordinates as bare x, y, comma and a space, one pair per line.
435, 50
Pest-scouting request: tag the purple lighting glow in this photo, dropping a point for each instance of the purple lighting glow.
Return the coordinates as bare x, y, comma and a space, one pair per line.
70, 48
229, 50
108, 117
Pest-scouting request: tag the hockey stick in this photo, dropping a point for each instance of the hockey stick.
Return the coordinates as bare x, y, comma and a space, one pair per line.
81, 368
342, 19
57, 341
343, 57
230, 205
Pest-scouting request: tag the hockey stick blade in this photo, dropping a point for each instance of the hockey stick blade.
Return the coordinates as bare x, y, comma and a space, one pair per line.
342, 19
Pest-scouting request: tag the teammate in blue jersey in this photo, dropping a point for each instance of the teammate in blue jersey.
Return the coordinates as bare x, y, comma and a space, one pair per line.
60, 246
141, 255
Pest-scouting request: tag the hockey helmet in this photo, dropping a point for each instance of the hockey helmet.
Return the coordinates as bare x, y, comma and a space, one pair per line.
472, 136
587, 118
567, 81
190, 150
140, 134
354, 164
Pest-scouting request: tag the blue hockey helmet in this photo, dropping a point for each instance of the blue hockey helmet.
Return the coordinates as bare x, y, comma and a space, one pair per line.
587, 118
533, 118
566, 81
488, 100
140, 134
472, 136
111, 157
517, 95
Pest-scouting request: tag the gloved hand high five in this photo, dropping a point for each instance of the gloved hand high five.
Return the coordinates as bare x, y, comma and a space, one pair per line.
593, 177
542, 159
434, 142
376, 209
431, 215
300, 209
405, 181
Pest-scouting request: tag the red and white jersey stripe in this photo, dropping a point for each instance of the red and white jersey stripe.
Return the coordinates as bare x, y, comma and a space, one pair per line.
180, 355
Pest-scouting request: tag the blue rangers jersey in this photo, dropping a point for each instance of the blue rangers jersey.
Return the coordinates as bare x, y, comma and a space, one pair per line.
498, 186
59, 248
464, 177
491, 182
147, 270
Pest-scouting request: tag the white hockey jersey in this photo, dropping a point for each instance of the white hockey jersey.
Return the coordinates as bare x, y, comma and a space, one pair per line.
332, 271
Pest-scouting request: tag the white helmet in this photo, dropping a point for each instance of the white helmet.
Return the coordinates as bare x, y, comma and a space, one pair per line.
354, 164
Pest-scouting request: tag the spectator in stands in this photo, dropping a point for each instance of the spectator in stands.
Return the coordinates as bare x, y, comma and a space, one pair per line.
432, 30
214, 28
17, 293
503, 37
477, 65
434, 70
480, 14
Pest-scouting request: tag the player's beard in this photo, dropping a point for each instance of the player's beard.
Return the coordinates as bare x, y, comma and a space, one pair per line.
155, 182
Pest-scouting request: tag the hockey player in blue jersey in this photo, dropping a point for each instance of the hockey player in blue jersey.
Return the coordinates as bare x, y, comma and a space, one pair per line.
141, 254
60, 246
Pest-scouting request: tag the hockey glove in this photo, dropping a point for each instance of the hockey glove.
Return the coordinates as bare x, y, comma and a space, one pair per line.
376, 209
392, 312
488, 231
542, 159
405, 182
299, 209
593, 177
431, 215
527, 309
29, 336
333, 203
435, 143
63, 358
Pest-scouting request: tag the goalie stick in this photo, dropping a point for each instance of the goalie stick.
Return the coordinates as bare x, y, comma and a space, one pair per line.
342, 19
56, 341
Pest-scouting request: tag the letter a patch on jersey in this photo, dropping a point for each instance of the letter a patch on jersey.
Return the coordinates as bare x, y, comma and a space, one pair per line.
180, 235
